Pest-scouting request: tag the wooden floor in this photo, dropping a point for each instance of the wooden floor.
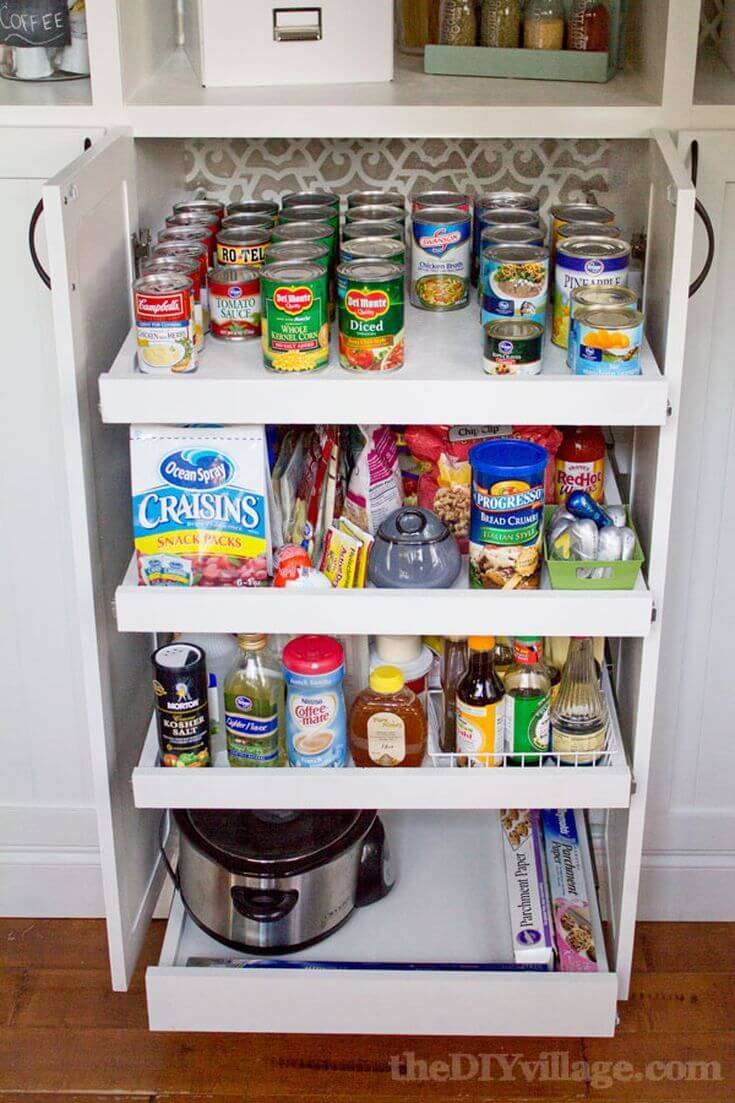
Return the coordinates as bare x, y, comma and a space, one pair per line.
66, 1035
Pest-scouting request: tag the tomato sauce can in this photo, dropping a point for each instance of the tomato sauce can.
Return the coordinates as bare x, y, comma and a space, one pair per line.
371, 316
295, 316
254, 206
185, 266
373, 248
441, 258
585, 261
598, 298
513, 347
234, 303
180, 686
194, 231
243, 245
608, 342
515, 282
164, 324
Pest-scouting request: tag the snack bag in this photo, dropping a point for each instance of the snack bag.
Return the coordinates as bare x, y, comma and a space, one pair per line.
375, 486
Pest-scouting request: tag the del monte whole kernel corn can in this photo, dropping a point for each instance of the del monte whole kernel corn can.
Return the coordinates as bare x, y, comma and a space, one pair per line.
295, 316
371, 312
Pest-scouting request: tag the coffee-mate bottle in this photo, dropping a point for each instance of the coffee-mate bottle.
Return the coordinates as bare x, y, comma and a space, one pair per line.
480, 708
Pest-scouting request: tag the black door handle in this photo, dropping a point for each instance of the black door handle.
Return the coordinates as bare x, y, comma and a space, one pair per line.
701, 210
37, 212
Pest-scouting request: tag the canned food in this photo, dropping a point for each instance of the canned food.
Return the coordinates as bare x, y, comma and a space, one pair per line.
311, 199
608, 342
441, 258
511, 235
515, 282
185, 266
194, 218
211, 206
585, 260
299, 250
321, 233
588, 229
190, 249
600, 298
316, 213
248, 218
234, 303
180, 686
521, 200
563, 213
513, 347
382, 198
295, 316
458, 201
164, 324
195, 231
371, 315
486, 217
374, 248
376, 213
244, 245
389, 228
254, 206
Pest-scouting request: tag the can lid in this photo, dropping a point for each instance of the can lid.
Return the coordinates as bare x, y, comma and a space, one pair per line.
292, 270
593, 248
313, 655
233, 273
387, 679
609, 319
235, 235
507, 457
370, 270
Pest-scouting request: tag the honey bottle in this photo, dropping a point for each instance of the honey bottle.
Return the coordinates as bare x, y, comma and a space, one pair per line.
387, 722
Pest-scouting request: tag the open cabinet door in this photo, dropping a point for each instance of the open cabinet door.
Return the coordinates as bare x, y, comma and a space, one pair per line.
91, 211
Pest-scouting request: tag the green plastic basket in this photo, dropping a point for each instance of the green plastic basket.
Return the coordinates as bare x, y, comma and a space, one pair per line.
570, 574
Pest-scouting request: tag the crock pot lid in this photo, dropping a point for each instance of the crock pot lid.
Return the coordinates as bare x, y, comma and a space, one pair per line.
263, 839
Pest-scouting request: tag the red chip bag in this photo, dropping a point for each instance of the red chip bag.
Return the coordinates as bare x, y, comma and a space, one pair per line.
550, 438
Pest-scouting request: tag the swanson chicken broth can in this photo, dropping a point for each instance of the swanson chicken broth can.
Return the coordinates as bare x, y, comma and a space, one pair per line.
597, 298
515, 283
295, 318
373, 248
585, 262
441, 258
243, 245
234, 303
371, 316
162, 304
184, 266
458, 201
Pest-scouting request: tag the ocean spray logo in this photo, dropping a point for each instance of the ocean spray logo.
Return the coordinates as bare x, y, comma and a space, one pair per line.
440, 240
594, 267
195, 469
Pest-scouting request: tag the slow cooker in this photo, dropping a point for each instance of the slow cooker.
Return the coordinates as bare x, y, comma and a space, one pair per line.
276, 881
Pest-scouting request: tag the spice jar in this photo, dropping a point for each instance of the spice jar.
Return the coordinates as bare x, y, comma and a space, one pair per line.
543, 25
500, 23
589, 26
417, 24
387, 722
458, 23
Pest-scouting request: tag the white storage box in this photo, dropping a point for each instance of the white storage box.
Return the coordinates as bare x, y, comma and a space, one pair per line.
260, 42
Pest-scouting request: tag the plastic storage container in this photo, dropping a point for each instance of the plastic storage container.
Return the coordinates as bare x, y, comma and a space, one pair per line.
316, 729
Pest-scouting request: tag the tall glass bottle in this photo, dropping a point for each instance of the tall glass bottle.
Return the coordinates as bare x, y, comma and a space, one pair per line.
480, 708
254, 696
527, 697
579, 714
453, 670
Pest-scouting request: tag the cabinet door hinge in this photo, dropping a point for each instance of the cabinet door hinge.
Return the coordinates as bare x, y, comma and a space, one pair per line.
672, 193
654, 613
140, 245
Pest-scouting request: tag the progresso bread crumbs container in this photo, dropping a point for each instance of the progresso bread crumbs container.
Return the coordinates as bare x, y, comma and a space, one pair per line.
164, 323
234, 303
441, 258
585, 261
598, 298
513, 347
371, 315
515, 282
295, 316
608, 342
373, 248
506, 520
244, 245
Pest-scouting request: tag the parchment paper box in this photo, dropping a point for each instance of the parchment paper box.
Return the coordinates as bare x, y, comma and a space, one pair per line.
525, 876
233, 43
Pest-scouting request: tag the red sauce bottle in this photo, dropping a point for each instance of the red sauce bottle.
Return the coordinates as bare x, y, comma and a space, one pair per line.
589, 26
580, 463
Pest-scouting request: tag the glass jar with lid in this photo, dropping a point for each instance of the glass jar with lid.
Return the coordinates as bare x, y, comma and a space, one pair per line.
500, 23
589, 26
417, 24
458, 23
53, 47
543, 25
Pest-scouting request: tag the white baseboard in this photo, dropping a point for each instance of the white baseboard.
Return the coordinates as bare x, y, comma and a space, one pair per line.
688, 886
58, 883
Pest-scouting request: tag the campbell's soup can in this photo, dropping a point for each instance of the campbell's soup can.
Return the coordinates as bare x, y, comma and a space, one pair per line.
243, 245
234, 303
190, 249
185, 266
164, 324
194, 231
441, 258
585, 261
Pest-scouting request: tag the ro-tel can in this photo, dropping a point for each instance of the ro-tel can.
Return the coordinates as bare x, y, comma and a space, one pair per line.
195, 231
196, 250
515, 283
563, 213
243, 245
315, 213
254, 206
165, 327
376, 213
489, 216
383, 198
585, 261
184, 266
373, 248
234, 303
430, 200
388, 228
603, 298
608, 342
441, 258
316, 724
371, 315
507, 511
588, 229
205, 205
513, 346
311, 199
299, 250
248, 218
180, 686
295, 316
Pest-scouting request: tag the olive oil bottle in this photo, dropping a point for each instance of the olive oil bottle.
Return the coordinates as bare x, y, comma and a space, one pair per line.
254, 704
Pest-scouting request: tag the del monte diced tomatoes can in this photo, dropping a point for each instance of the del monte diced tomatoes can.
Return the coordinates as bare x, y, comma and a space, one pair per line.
295, 316
164, 324
371, 315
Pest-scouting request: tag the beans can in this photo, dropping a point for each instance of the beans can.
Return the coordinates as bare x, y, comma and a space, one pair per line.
487, 217
316, 213
164, 323
299, 250
563, 213
193, 232
254, 206
295, 321
234, 303
371, 315
383, 198
515, 282
373, 248
311, 199
245, 245
180, 686
185, 266
584, 261
441, 258
249, 218
190, 249
431, 200
588, 229
513, 347
376, 213
608, 342
211, 206
596, 297
389, 228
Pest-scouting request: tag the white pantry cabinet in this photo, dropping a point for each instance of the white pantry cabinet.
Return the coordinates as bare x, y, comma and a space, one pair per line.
123, 184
